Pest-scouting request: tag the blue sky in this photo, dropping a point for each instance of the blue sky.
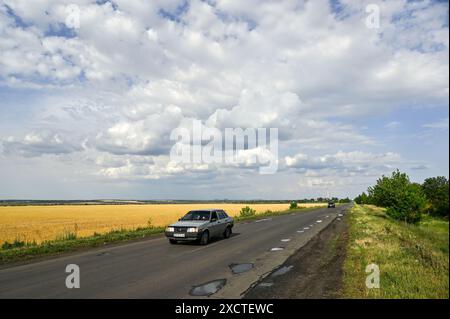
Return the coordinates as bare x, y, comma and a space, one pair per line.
86, 111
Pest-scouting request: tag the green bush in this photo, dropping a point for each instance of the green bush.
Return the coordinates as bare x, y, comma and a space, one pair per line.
404, 200
436, 191
293, 205
247, 212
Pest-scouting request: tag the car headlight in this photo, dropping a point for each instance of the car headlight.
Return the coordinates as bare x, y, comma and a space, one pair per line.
170, 229
192, 230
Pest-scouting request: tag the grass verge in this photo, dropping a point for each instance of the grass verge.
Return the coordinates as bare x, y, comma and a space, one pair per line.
20, 251
413, 259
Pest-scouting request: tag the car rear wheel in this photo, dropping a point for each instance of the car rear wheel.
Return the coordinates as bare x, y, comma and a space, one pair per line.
227, 232
172, 241
205, 238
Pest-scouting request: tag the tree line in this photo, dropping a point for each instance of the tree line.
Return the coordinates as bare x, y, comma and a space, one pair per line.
407, 201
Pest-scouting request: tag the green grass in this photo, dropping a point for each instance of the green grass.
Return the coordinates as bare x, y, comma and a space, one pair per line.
413, 259
68, 241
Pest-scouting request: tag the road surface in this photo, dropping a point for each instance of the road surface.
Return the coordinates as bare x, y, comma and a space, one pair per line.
155, 269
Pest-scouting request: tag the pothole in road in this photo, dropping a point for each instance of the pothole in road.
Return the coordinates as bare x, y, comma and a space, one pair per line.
276, 249
208, 289
281, 271
240, 268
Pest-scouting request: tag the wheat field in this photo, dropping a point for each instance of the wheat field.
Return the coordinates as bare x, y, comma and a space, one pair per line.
40, 223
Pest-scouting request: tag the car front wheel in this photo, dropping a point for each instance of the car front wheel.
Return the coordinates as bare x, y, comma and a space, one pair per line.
227, 232
205, 238
172, 241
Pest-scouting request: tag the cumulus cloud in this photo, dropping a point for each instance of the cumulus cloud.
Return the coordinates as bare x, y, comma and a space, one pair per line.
355, 161
39, 143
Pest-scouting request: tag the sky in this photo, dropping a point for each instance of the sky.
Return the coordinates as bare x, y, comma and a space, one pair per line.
91, 91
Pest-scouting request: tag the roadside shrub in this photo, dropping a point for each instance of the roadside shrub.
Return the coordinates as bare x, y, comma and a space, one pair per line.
17, 244
293, 205
404, 200
436, 190
247, 212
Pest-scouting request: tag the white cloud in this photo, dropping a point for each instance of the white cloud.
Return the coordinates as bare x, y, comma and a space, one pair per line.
136, 70
439, 125
38, 143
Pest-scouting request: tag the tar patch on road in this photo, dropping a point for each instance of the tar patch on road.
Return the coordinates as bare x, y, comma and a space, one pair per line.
314, 271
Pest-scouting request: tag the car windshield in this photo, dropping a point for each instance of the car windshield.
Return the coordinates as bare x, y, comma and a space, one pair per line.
196, 215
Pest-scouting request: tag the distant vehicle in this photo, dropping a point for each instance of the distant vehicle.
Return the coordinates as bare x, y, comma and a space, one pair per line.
200, 226
331, 205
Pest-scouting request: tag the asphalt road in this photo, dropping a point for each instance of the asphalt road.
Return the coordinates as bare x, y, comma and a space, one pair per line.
155, 269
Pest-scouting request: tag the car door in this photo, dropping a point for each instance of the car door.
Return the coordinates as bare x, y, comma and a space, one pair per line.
223, 221
214, 225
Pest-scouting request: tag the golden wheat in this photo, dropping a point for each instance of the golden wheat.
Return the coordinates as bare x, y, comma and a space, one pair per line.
39, 223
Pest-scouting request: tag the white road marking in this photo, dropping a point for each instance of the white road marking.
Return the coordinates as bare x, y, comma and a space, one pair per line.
319, 221
263, 220
285, 240
276, 249
300, 231
306, 228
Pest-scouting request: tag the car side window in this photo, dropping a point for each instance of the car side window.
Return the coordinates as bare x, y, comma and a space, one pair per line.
214, 215
222, 214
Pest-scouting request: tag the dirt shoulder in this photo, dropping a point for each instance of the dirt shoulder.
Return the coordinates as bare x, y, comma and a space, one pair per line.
313, 272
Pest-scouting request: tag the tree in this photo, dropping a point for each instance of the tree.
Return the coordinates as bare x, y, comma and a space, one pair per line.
436, 190
362, 199
404, 200
293, 205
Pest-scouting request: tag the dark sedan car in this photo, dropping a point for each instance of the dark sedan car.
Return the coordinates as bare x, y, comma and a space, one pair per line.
331, 205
